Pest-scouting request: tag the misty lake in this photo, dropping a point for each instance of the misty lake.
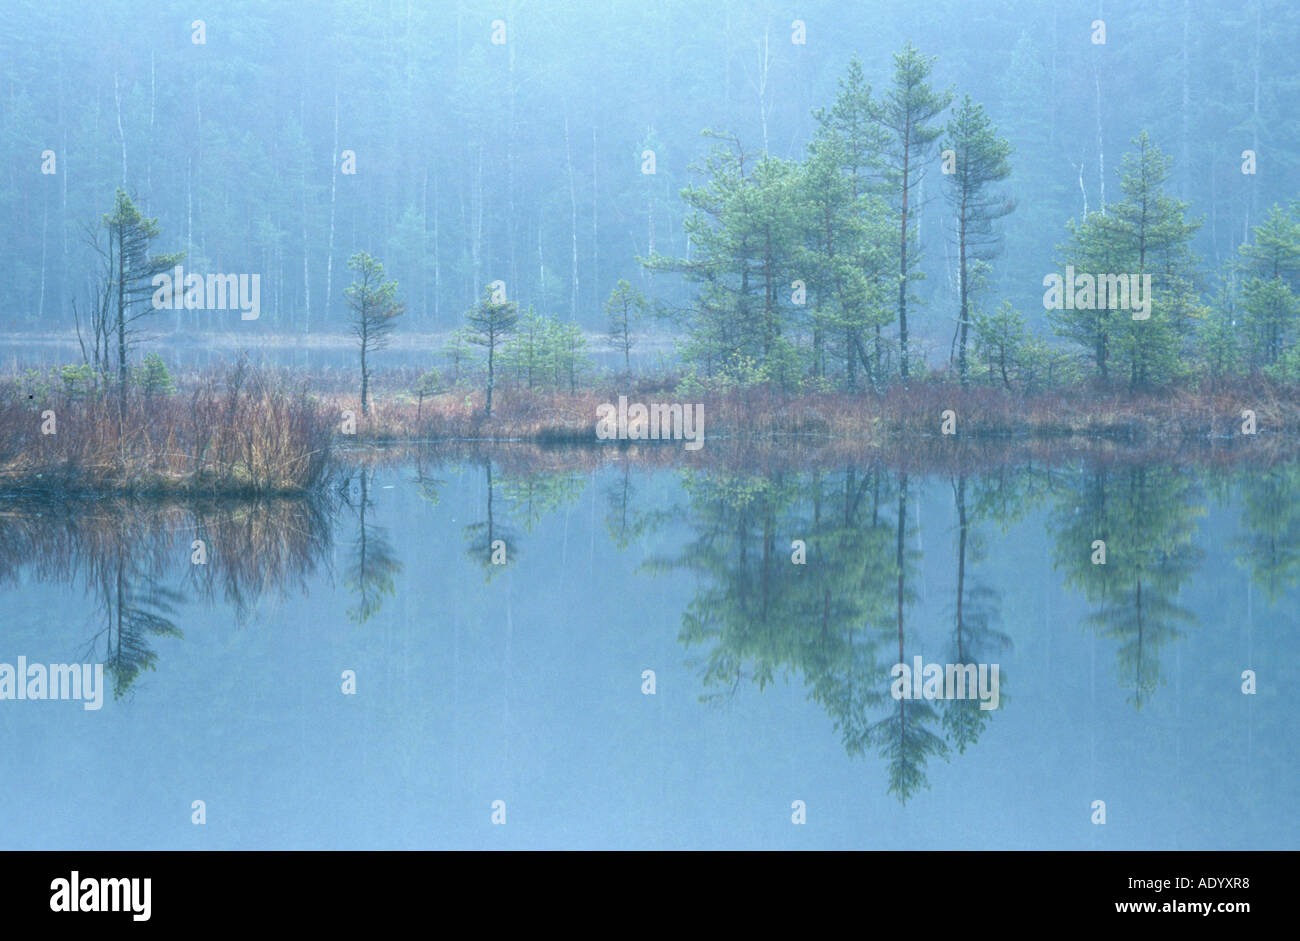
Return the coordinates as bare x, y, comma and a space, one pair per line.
334, 353
526, 682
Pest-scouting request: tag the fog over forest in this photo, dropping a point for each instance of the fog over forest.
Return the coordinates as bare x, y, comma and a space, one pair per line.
649, 424
463, 143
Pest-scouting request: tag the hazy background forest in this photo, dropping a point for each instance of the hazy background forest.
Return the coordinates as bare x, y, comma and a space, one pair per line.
814, 236
522, 160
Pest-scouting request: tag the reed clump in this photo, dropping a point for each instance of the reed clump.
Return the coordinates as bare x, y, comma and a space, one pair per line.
246, 431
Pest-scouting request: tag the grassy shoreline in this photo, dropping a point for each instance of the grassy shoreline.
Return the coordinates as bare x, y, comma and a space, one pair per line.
247, 434
877, 421
255, 432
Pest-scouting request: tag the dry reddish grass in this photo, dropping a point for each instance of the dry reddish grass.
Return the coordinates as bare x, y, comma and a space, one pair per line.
915, 412
254, 432
249, 433
461, 415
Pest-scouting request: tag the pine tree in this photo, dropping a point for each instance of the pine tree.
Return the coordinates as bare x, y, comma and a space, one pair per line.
527, 354
1091, 249
375, 308
906, 112
826, 259
129, 272
1218, 352
1147, 233
624, 307
1270, 266
848, 252
490, 323
999, 339
1155, 228
744, 231
980, 160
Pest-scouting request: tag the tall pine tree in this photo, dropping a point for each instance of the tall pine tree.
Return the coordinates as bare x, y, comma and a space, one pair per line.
906, 112
979, 161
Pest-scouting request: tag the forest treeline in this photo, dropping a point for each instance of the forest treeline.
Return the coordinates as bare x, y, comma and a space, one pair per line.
515, 152
805, 268
804, 274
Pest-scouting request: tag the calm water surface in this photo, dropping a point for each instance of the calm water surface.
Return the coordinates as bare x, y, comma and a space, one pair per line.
523, 682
